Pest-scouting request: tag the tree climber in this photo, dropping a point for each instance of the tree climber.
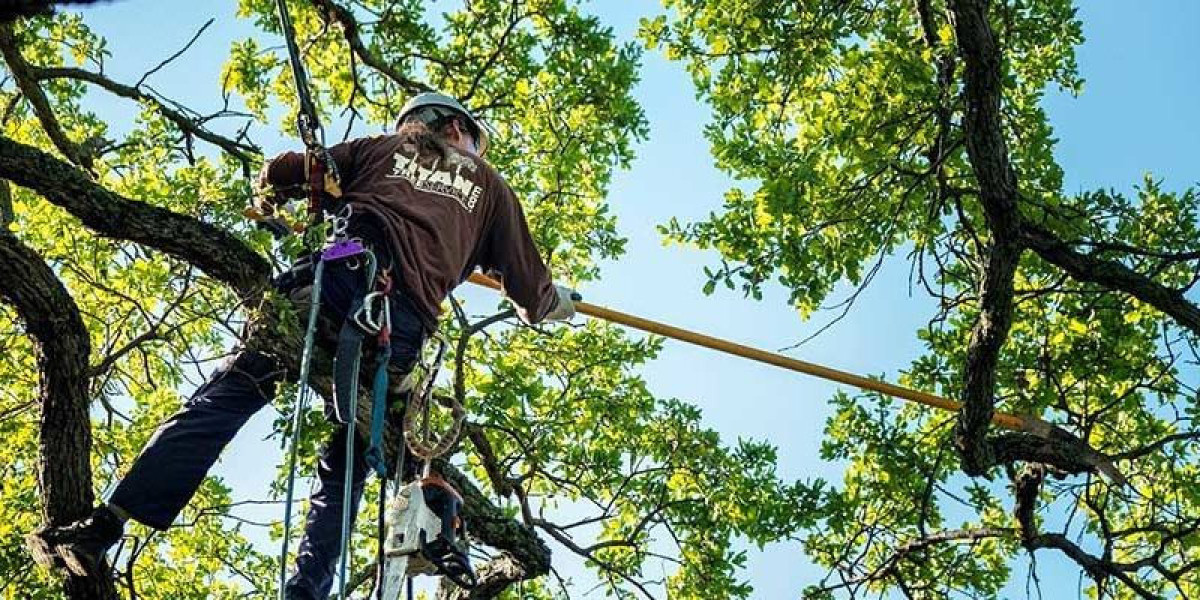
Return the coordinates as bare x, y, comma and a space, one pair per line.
432, 210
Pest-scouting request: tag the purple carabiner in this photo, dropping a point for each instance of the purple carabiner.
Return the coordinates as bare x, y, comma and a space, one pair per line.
342, 249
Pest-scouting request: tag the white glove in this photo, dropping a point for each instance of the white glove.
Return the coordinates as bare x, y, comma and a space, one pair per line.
564, 308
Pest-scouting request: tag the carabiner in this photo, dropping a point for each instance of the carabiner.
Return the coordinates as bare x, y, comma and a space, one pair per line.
368, 318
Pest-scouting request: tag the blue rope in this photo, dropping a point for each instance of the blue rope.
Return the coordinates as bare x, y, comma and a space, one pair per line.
303, 393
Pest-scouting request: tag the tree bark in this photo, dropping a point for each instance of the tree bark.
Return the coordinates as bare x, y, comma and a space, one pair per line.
1110, 274
215, 251
988, 154
495, 576
63, 348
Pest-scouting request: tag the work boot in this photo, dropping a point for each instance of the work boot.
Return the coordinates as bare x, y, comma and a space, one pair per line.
78, 547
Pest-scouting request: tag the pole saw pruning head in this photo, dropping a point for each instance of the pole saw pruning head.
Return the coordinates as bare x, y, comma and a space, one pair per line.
424, 527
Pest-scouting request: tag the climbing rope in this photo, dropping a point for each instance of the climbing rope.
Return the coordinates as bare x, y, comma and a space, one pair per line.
303, 395
321, 171
322, 175
308, 109
426, 447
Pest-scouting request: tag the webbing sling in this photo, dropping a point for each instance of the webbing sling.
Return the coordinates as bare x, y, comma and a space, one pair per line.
374, 455
348, 355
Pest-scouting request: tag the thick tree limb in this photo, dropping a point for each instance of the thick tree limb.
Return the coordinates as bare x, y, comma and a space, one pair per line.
494, 576
6, 204
1060, 449
988, 153
1010, 235
213, 250
65, 437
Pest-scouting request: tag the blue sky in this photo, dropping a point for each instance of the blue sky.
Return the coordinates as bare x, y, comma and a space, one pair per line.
1136, 115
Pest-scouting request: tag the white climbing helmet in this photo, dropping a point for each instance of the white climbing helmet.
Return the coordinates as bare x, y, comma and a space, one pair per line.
442, 105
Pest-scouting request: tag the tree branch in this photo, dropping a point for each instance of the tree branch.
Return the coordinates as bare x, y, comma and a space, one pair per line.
177, 54
988, 154
891, 565
1028, 484
1110, 274
246, 153
62, 345
213, 250
1158, 445
28, 85
350, 29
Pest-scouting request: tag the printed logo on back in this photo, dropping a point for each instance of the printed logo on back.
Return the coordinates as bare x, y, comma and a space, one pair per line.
444, 178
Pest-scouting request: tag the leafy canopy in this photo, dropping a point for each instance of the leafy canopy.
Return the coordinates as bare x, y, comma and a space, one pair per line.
561, 423
847, 120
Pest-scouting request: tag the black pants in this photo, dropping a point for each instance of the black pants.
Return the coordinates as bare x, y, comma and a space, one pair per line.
173, 464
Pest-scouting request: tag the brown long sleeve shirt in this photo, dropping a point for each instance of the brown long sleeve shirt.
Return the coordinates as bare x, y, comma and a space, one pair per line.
442, 217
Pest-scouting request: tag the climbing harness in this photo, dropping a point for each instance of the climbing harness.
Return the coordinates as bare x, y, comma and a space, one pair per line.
369, 315
337, 249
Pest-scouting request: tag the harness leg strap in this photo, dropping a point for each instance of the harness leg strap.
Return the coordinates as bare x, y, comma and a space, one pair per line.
345, 368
